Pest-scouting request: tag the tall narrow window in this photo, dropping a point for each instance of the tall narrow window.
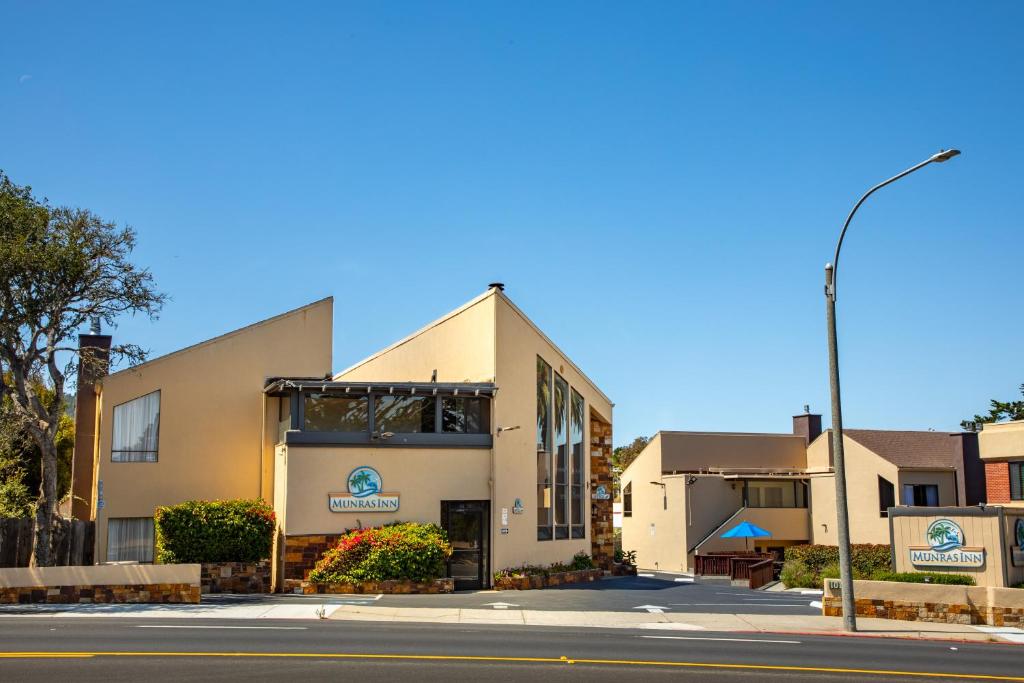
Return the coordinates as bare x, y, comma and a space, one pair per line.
886, 496
1017, 481
627, 500
130, 539
136, 430
561, 423
576, 434
544, 517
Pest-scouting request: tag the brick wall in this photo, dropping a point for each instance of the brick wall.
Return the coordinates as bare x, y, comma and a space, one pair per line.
601, 529
997, 482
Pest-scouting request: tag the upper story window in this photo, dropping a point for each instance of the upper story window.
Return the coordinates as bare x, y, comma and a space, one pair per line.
404, 414
1017, 481
327, 413
776, 494
465, 415
922, 495
136, 430
627, 500
886, 496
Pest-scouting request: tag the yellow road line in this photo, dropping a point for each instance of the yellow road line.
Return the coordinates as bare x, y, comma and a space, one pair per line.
535, 660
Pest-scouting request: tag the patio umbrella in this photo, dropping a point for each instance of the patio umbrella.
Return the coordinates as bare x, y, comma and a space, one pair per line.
746, 530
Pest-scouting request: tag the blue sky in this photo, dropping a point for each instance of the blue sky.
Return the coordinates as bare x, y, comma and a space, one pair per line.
659, 184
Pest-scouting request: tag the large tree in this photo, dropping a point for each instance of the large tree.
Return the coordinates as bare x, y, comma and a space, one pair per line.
998, 412
62, 269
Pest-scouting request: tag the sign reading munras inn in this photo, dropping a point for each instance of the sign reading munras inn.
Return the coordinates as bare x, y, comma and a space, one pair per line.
946, 548
364, 494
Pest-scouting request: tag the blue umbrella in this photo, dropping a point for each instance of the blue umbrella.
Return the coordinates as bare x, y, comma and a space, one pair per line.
746, 530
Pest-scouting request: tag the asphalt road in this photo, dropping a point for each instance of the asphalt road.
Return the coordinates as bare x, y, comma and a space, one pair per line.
620, 594
84, 649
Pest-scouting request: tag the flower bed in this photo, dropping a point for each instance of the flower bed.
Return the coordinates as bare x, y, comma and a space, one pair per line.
522, 582
402, 554
443, 585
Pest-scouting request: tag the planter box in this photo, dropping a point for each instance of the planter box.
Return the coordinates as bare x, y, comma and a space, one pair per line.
136, 583
388, 587
523, 583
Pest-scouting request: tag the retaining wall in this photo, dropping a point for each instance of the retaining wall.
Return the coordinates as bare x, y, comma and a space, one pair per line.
929, 602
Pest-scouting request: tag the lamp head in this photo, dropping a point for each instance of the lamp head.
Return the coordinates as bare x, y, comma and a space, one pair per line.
945, 155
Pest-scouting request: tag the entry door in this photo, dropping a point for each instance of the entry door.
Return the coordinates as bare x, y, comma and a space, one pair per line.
468, 525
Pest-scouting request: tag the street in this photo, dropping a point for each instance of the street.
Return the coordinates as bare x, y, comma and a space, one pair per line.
211, 650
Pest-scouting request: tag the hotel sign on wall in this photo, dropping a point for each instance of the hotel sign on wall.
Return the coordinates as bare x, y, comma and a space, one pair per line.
946, 548
364, 494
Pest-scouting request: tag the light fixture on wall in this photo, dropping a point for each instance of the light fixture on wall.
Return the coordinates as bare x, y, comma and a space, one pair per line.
506, 429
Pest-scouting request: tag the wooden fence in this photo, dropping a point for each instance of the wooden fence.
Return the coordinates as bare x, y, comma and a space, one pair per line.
73, 541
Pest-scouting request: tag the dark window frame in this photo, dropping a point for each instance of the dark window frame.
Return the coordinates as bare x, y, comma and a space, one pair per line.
1019, 467
627, 500
886, 496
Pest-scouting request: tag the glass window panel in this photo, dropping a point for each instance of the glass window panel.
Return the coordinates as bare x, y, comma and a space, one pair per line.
136, 430
327, 413
470, 415
561, 425
1017, 481
579, 470
627, 500
404, 414
130, 539
886, 496
544, 480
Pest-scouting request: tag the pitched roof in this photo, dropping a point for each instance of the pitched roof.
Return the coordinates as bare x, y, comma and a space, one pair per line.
908, 449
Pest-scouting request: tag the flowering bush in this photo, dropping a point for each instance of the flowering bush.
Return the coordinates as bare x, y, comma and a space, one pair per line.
579, 562
214, 531
405, 550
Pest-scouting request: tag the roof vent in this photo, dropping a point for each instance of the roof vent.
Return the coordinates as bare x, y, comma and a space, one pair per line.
500, 286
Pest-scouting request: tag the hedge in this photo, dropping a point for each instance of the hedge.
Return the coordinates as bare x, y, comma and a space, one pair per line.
214, 531
806, 564
403, 550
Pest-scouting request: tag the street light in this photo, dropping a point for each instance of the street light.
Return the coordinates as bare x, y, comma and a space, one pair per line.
842, 514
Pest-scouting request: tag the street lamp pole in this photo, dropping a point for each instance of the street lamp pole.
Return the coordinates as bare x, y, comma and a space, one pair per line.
842, 512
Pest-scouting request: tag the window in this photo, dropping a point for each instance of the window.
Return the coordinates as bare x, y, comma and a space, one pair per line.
130, 538
465, 415
404, 414
1017, 481
886, 496
136, 430
627, 500
922, 495
561, 423
775, 494
326, 413
543, 451
576, 436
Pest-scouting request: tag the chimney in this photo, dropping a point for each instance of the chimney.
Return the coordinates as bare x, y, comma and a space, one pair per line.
807, 425
83, 463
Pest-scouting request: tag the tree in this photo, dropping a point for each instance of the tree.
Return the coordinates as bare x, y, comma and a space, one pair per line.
21, 459
62, 268
999, 411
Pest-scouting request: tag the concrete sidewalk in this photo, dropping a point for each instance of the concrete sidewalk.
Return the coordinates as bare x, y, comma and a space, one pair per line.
739, 623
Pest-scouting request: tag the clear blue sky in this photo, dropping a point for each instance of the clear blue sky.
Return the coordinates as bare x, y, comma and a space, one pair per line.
659, 185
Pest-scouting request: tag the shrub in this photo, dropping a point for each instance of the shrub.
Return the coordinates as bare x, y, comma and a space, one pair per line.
214, 531
402, 551
865, 558
924, 577
627, 557
796, 574
581, 560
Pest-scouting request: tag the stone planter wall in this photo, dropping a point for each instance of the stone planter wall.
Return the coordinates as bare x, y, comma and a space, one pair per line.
523, 583
620, 569
930, 602
136, 583
388, 587
235, 577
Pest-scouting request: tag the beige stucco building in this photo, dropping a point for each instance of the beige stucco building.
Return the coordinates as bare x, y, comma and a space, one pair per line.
1002, 451
688, 488
477, 422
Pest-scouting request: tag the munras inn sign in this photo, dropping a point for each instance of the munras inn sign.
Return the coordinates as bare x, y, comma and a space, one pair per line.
946, 548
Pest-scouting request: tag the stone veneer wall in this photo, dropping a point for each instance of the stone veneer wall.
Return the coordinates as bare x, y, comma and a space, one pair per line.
138, 593
602, 541
943, 613
235, 577
300, 556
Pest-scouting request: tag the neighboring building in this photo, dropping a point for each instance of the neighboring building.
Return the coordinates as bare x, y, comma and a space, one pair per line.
687, 488
890, 468
477, 422
1001, 446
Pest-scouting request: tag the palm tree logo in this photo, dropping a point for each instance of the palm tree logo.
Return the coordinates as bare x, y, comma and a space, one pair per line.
944, 535
363, 482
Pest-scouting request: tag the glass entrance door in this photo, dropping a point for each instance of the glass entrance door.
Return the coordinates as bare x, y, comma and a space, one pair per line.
468, 525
